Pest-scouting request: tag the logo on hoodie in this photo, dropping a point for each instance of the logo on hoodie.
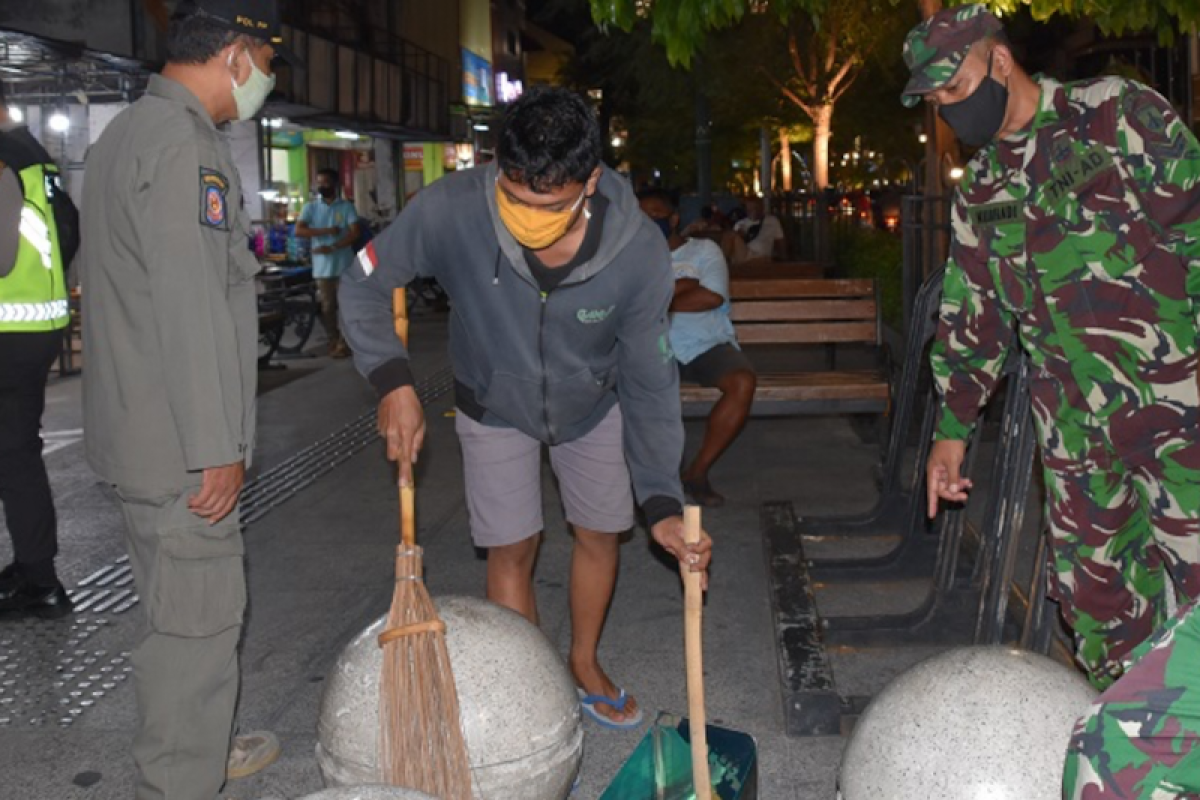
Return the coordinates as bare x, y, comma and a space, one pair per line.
589, 316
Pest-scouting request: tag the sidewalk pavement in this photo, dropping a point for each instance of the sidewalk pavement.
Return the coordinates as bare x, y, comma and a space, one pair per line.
320, 566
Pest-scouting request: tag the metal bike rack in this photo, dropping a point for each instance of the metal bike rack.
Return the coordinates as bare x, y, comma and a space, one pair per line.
970, 570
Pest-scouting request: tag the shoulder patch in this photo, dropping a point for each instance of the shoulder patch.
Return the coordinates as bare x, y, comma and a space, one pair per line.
1151, 119
214, 199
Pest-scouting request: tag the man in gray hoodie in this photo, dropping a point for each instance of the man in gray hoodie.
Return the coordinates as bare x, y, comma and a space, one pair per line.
559, 288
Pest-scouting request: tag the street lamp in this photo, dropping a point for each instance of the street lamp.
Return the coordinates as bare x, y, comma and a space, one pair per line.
59, 122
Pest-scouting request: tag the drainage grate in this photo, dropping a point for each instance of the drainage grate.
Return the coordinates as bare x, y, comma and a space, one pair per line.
275, 486
109, 589
51, 673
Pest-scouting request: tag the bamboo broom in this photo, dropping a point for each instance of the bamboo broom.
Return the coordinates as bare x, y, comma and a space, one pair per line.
421, 741
693, 609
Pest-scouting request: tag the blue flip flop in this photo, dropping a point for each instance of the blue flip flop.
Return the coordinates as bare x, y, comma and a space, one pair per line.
588, 703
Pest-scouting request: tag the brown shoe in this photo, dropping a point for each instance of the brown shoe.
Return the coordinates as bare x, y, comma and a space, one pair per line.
251, 753
339, 350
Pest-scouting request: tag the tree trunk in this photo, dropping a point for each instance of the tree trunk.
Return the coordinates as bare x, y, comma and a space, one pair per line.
785, 160
822, 125
764, 160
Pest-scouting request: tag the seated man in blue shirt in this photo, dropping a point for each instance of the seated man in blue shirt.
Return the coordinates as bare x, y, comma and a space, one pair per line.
704, 342
333, 225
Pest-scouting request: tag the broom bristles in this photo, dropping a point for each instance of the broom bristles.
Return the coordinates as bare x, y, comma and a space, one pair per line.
421, 740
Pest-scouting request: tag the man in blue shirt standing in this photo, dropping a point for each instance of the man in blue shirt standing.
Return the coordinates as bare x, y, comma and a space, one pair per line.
704, 342
333, 225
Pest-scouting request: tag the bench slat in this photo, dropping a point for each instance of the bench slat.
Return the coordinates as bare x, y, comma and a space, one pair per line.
802, 310
794, 311
803, 386
776, 270
805, 332
761, 288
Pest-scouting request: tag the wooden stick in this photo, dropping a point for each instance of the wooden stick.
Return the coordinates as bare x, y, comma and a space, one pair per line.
693, 603
408, 524
400, 314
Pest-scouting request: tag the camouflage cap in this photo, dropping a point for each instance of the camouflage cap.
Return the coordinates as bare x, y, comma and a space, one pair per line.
935, 49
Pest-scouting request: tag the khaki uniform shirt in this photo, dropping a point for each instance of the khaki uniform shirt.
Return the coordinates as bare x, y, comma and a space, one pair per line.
170, 324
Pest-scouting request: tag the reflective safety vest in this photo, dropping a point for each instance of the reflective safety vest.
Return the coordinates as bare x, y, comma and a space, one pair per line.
33, 297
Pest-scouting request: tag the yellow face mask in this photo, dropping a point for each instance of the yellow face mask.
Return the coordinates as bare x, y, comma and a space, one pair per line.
532, 227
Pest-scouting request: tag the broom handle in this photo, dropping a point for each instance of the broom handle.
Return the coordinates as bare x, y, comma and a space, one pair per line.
408, 525
408, 515
400, 314
693, 604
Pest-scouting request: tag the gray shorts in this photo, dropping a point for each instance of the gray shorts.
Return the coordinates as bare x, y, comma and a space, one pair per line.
503, 474
709, 367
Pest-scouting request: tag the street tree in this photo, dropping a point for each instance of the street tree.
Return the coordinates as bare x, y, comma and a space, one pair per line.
827, 42
814, 50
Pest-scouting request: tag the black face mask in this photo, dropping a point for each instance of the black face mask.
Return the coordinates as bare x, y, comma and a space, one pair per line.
977, 119
328, 192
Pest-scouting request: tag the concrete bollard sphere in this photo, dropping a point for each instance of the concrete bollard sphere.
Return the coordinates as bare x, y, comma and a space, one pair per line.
520, 712
974, 723
372, 792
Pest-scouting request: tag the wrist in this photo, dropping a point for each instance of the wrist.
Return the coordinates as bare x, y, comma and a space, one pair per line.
661, 507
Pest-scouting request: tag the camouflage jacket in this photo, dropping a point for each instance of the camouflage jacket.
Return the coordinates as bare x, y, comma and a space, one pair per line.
1080, 235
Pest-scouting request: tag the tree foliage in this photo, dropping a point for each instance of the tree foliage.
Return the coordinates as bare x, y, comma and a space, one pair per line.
680, 26
1116, 17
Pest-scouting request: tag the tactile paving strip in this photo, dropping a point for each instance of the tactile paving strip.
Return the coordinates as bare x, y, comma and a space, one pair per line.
53, 672
275, 486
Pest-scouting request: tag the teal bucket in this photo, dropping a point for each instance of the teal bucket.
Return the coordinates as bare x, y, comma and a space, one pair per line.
660, 768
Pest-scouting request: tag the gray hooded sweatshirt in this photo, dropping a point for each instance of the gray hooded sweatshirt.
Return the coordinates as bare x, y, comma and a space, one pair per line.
551, 364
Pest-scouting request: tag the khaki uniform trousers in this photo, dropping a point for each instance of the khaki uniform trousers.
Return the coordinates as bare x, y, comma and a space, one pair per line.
191, 580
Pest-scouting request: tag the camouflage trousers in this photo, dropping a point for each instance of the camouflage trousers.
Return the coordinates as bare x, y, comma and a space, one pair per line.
1120, 534
1139, 740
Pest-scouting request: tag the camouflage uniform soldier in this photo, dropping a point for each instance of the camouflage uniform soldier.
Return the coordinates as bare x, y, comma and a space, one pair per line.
1074, 230
1139, 739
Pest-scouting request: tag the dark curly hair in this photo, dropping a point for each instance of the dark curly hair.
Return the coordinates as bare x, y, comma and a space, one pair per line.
193, 39
548, 138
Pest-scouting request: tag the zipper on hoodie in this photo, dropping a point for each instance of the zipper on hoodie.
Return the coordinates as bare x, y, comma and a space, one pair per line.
545, 296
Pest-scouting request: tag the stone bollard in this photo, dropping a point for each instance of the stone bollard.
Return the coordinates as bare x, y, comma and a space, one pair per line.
520, 712
988, 722
373, 792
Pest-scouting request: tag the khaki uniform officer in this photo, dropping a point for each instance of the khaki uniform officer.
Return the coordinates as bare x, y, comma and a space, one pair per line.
170, 323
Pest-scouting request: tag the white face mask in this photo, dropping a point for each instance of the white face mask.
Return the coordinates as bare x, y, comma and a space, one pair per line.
251, 95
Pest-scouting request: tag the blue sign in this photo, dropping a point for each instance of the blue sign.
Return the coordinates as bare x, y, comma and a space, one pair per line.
477, 79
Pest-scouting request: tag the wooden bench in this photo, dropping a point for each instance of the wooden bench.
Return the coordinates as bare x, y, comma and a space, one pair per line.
776, 319
764, 269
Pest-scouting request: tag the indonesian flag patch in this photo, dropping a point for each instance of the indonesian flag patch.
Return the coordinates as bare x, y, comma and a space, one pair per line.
367, 259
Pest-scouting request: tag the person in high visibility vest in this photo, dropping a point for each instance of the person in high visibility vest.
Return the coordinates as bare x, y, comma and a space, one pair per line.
33, 315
